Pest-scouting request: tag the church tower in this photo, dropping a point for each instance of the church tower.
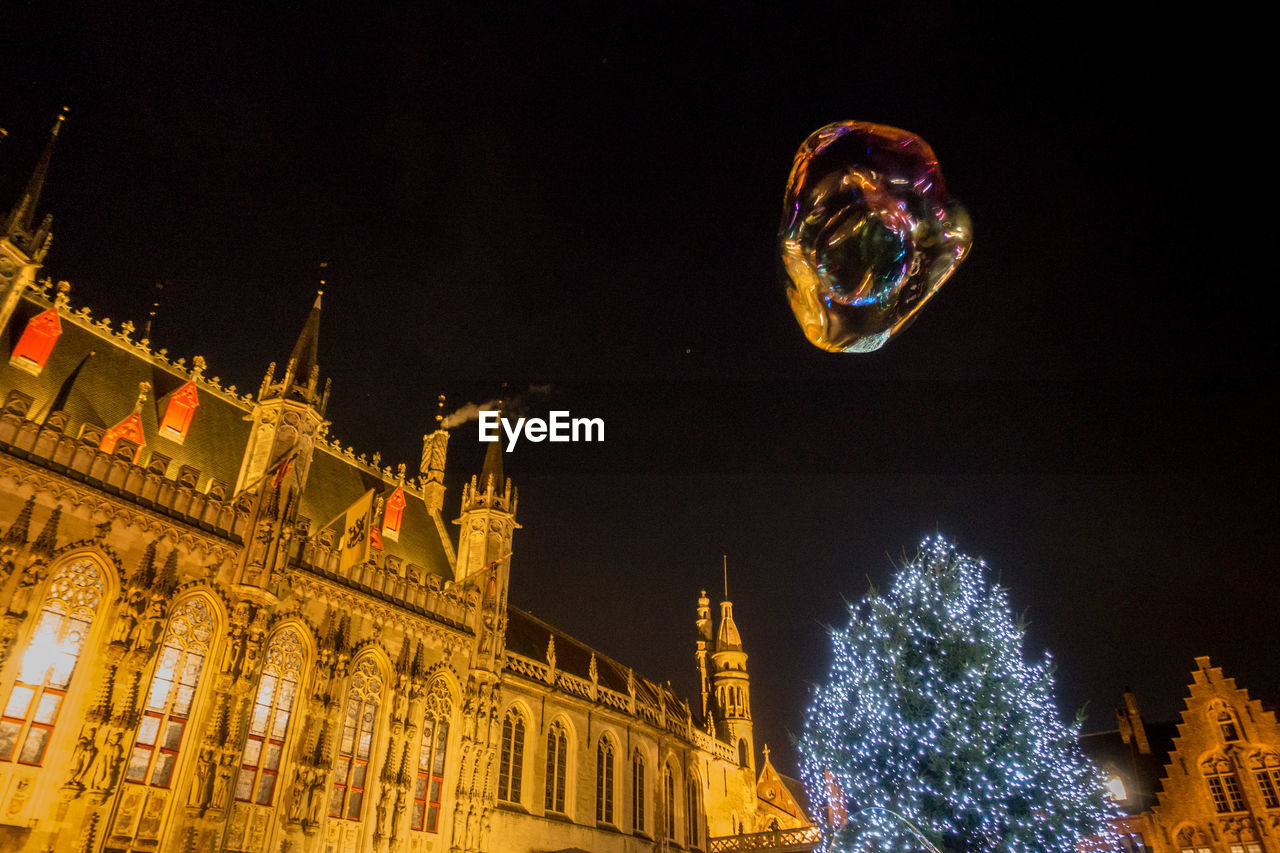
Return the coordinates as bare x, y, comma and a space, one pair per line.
732, 688
287, 418
23, 243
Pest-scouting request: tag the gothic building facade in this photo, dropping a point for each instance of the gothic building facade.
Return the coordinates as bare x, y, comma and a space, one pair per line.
224, 631
1208, 782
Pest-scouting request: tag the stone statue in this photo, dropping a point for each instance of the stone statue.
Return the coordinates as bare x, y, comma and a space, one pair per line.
109, 768
82, 759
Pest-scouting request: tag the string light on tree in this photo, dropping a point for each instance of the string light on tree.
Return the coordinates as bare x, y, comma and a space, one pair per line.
932, 718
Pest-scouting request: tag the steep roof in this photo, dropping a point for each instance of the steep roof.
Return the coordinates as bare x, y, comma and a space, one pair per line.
528, 635
104, 391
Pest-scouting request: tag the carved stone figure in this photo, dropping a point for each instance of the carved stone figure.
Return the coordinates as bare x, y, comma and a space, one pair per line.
109, 767
82, 759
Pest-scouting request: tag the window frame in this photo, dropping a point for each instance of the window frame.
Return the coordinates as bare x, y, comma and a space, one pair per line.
555, 797
284, 664
194, 638
72, 607
605, 785
364, 694
511, 758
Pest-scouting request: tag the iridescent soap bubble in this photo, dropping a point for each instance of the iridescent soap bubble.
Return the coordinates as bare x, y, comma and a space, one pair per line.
868, 234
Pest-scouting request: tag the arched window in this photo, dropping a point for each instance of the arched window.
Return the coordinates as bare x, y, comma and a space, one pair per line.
1220, 714
272, 708
173, 688
1266, 769
637, 792
431, 755
557, 767
669, 801
742, 752
511, 761
604, 781
351, 769
693, 815
49, 662
1224, 787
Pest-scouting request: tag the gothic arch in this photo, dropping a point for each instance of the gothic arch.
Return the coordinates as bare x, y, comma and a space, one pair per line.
69, 606
559, 733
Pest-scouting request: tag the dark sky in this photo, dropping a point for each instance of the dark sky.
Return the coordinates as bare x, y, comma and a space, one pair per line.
586, 195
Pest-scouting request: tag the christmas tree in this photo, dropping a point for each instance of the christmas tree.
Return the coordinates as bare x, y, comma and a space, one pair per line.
933, 725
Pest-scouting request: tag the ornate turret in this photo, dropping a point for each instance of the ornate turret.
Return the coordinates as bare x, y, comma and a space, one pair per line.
704, 649
287, 419
24, 244
488, 518
732, 688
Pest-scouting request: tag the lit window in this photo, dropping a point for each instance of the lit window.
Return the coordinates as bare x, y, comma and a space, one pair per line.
173, 689
393, 515
1245, 848
557, 768
604, 781
352, 766
178, 412
511, 761
435, 740
1115, 786
272, 708
637, 793
37, 342
49, 662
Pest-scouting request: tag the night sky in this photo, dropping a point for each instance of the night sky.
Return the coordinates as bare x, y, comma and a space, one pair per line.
586, 196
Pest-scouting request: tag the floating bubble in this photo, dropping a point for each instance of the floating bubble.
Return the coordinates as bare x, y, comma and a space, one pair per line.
868, 234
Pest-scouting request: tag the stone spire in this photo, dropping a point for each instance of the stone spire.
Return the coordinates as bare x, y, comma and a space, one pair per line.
20, 226
301, 379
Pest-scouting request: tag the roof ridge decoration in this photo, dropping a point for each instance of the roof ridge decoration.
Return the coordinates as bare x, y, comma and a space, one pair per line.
83, 318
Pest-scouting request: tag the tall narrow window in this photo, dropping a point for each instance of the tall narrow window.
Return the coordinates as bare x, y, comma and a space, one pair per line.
693, 815
36, 343
173, 689
179, 411
637, 792
511, 760
435, 740
351, 770
272, 708
604, 781
669, 801
49, 662
557, 767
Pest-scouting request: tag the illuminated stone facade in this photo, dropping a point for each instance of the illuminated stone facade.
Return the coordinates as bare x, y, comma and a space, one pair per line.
224, 631
1208, 783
